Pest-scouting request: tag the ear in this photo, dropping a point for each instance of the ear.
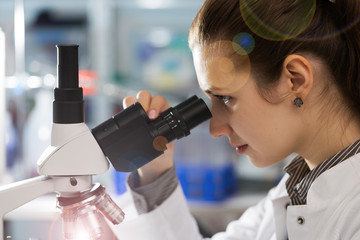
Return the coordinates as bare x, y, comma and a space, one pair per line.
297, 72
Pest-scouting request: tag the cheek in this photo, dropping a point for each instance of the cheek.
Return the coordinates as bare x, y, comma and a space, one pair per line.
261, 127
269, 143
248, 118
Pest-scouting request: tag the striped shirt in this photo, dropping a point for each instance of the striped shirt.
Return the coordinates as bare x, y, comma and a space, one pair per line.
301, 177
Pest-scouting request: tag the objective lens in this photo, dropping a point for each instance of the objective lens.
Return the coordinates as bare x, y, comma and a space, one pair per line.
92, 221
109, 209
69, 218
88, 208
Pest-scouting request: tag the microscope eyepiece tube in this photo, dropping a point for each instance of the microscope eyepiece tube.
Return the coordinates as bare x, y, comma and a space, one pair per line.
68, 66
194, 113
68, 105
130, 139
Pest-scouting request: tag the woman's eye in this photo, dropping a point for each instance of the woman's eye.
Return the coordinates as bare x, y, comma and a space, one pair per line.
225, 99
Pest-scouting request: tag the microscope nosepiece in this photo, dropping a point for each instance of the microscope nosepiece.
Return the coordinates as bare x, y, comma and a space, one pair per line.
88, 209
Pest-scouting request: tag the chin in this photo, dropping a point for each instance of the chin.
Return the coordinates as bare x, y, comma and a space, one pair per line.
262, 162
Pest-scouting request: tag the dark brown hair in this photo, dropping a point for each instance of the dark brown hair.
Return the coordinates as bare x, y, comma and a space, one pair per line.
328, 30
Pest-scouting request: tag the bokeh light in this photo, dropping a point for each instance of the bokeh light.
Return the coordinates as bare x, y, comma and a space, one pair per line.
246, 43
159, 143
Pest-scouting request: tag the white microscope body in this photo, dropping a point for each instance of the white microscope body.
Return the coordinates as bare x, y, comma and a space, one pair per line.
67, 165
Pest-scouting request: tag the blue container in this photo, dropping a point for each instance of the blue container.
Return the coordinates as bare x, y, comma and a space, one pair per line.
206, 183
120, 181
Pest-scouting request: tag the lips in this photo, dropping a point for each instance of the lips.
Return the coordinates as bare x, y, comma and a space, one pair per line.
240, 149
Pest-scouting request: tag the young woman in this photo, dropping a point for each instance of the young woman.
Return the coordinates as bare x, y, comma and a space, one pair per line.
283, 77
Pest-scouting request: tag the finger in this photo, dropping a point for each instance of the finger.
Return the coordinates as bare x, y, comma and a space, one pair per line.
127, 101
144, 97
158, 105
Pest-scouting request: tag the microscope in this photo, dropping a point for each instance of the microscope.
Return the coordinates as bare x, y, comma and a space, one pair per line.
128, 140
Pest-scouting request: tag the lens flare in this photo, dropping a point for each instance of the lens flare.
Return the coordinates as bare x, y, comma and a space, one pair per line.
227, 64
340, 30
259, 20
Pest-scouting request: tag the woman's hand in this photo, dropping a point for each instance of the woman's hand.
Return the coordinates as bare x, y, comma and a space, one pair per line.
153, 106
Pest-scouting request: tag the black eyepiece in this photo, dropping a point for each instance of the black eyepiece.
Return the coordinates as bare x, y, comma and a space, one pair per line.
68, 66
68, 105
194, 112
130, 139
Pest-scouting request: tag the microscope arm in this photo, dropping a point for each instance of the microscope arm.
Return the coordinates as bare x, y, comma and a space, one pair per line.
17, 194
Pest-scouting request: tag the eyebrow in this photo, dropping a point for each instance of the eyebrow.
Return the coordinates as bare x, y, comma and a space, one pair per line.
208, 91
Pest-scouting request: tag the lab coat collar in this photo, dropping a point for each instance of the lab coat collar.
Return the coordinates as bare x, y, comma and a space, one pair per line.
326, 192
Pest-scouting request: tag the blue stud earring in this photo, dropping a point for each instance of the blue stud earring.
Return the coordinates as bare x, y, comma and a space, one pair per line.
298, 102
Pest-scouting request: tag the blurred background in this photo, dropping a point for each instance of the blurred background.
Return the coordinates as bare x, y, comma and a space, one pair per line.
124, 46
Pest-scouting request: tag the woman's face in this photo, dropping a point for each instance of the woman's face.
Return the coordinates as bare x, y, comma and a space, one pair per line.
264, 131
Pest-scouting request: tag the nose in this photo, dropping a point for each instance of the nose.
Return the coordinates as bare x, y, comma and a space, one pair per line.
219, 125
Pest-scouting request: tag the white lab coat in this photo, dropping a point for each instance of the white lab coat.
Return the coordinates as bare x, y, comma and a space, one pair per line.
332, 212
